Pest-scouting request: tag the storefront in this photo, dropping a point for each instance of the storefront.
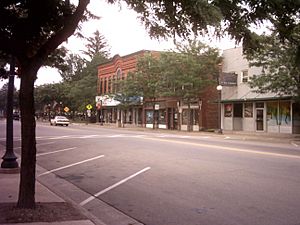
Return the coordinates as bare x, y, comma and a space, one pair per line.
162, 114
261, 115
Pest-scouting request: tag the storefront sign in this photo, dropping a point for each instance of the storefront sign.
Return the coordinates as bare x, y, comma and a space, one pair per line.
229, 79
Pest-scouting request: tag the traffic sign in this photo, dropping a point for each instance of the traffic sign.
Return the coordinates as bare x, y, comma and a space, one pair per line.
89, 106
66, 109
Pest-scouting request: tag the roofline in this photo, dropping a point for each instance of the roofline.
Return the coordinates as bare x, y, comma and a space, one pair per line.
125, 56
255, 99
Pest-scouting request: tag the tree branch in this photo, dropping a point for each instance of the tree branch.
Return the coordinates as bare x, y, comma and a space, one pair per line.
70, 25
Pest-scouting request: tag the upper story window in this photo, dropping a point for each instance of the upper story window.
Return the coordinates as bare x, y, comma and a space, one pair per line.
101, 86
245, 76
119, 74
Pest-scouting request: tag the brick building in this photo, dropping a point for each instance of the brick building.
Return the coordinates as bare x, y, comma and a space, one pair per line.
164, 113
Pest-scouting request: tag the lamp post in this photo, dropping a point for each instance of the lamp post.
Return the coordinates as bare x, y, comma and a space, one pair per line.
219, 89
9, 158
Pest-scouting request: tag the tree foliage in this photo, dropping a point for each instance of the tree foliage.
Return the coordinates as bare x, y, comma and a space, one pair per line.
184, 74
280, 73
96, 45
236, 18
31, 30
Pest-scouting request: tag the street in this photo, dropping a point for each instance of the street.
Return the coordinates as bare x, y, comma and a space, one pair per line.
172, 178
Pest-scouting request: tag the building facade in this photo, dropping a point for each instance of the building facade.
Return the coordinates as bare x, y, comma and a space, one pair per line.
163, 113
245, 110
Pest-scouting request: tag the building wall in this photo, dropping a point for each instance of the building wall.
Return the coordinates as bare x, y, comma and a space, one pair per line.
207, 111
260, 112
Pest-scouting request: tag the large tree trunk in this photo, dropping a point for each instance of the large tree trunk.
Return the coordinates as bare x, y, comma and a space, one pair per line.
28, 155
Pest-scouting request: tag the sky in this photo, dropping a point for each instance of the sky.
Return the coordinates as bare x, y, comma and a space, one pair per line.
124, 34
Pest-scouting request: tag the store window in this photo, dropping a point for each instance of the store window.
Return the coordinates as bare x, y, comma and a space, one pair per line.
162, 116
285, 113
149, 117
272, 113
194, 116
184, 116
248, 110
227, 110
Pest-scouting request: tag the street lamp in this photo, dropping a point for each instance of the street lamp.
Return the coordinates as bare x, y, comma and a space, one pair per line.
219, 89
9, 158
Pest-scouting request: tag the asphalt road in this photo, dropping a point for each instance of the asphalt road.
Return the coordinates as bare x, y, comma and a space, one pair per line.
168, 178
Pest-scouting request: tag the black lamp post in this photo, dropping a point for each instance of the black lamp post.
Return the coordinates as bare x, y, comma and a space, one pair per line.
219, 89
9, 158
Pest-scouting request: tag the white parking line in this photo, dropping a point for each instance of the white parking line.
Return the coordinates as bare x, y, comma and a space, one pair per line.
90, 136
62, 150
116, 135
113, 186
47, 143
60, 137
67, 166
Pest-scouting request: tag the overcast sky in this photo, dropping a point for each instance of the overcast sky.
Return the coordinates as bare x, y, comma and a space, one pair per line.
124, 34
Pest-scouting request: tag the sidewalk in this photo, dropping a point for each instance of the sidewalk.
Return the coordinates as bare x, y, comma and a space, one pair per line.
9, 184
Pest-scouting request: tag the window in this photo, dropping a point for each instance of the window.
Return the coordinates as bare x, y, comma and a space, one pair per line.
245, 76
248, 109
119, 74
227, 110
105, 86
100, 86
109, 85
149, 117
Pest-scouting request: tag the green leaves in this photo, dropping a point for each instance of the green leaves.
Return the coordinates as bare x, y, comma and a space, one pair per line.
184, 74
281, 71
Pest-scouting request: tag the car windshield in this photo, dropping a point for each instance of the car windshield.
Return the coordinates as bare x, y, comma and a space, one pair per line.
61, 117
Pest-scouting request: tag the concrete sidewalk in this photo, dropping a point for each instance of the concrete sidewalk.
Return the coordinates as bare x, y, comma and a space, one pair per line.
9, 184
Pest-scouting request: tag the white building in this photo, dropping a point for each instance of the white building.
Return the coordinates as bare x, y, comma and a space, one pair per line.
245, 110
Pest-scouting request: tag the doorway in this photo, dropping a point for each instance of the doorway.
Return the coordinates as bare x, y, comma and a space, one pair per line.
237, 116
260, 119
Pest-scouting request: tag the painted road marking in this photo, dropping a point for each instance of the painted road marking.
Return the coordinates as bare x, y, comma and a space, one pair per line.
59, 137
73, 164
223, 148
90, 136
116, 135
294, 144
62, 150
47, 143
113, 186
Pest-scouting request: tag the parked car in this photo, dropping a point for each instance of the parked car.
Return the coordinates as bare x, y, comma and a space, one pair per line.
59, 120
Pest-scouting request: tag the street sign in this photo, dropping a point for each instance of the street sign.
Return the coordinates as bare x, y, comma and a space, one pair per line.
66, 109
89, 106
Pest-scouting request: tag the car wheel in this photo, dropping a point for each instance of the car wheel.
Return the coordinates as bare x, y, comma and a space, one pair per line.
67, 125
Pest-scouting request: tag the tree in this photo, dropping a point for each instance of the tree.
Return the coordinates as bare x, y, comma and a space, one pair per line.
188, 72
72, 68
185, 74
280, 73
96, 45
30, 31
234, 17
3, 97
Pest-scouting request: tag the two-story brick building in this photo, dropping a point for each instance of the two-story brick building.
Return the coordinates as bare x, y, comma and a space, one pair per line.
164, 113
245, 110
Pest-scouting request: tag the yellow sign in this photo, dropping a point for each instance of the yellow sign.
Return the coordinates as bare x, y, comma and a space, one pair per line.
66, 109
89, 106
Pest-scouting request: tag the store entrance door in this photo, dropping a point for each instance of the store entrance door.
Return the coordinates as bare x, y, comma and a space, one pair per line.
259, 119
